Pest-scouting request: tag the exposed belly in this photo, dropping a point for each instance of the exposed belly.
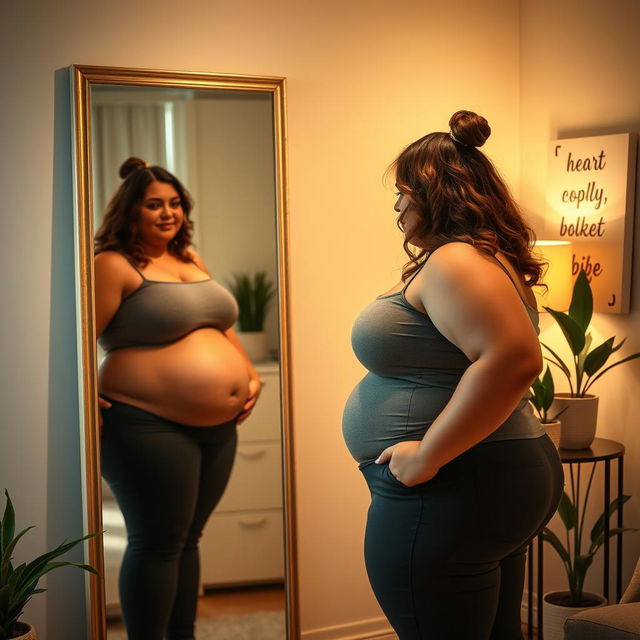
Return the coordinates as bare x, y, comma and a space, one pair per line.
200, 380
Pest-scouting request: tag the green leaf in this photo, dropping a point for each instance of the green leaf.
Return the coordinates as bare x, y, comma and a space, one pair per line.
597, 543
615, 364
581, 307
538, 394
559, 363
549, 388
573, 332
8, 524
6, 558
614, 505
618, 345
597, 358
583, 355
552, 538
568, 511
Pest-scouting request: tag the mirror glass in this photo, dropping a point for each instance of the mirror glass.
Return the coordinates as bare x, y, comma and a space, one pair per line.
220, 144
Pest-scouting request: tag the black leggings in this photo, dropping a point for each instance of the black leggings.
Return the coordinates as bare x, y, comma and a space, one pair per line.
167, 479
446, 558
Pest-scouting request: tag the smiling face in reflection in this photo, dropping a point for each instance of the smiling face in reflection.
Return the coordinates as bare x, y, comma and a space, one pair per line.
160, 214
409, 218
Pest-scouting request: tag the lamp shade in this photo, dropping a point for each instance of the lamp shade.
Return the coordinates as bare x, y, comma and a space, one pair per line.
558, 277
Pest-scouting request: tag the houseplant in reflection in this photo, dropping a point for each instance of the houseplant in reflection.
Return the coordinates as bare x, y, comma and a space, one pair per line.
579, 421
18, 584
559, 605
542, 392
253, 295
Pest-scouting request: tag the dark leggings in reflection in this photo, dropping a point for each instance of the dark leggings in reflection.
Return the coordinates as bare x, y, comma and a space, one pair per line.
167, 479
446, 558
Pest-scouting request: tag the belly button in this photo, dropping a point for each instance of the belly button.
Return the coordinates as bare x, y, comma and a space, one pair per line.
234, 392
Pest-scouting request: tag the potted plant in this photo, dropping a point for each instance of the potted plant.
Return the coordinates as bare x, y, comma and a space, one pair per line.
542, 392
18, 584
559, 605
579, 422
253, 295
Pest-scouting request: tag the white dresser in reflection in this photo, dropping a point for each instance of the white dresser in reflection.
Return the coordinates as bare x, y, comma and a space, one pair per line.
243, 541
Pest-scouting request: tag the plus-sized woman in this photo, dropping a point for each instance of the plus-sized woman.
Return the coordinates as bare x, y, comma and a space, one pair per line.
460, 471
173, 386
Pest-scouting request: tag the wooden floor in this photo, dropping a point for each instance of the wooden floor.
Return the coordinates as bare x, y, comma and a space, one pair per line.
233, 602
243, 600
240, 601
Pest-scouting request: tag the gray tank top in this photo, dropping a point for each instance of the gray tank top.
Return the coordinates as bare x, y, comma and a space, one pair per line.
160, 312
413, 371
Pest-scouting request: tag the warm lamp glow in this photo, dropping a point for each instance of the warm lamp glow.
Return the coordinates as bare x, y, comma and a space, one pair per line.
559, 255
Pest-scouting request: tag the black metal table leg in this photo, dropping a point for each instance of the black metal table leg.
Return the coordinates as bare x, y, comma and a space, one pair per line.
530, 592
539, 594
619, 536
607, 515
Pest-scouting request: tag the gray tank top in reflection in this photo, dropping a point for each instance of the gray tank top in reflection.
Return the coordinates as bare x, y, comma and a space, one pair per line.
160, 312
413, 371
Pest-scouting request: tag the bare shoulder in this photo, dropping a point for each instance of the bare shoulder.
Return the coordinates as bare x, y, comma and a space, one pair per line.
460, 260
113, 268
111, 260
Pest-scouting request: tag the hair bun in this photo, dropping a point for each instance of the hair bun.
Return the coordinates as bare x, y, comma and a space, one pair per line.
130, 165
469, 128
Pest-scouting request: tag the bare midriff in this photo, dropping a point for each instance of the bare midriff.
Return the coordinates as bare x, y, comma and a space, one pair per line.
200, 380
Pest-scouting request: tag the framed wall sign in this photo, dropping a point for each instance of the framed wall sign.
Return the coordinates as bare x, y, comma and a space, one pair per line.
590, 202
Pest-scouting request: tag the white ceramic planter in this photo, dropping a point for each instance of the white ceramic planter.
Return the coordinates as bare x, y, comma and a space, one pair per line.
578, 421
552, 429
255, 344
554, 615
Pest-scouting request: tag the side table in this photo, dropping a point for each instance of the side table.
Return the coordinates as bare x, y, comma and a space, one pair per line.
600, 450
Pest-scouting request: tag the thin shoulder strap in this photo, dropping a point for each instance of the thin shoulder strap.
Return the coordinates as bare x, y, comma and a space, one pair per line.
417, 271
517, 288
133, 264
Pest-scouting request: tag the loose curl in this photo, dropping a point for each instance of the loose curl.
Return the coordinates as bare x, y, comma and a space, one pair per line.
459, 195
119, 228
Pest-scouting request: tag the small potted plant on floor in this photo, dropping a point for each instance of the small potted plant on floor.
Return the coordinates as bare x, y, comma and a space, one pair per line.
579, 421
559, 605
253, 295
18, 584
542, 392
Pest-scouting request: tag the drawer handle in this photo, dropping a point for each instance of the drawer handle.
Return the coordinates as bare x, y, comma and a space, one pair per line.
252, 454
254, 522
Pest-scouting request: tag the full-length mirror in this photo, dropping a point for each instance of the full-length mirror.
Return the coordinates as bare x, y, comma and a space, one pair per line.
181, 211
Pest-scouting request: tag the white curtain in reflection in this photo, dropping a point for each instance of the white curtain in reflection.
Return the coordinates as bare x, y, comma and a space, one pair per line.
123, 130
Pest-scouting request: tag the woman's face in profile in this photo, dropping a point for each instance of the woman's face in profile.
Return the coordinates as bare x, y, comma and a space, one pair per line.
161, 214
409, 218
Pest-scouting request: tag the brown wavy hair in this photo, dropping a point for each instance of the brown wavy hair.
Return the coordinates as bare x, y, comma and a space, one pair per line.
119, 228
459, 195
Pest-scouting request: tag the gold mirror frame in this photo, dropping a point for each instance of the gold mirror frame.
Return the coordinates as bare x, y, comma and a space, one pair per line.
83, 77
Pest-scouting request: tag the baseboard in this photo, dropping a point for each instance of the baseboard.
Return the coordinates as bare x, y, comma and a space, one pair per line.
373, 629
379, 628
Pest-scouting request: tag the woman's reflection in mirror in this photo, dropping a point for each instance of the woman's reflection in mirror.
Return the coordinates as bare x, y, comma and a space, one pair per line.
173, 387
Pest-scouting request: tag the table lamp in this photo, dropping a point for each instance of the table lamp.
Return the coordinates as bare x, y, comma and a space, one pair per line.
557, 276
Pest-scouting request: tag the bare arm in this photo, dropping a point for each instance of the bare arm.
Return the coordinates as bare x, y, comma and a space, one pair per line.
111, 273
472, 302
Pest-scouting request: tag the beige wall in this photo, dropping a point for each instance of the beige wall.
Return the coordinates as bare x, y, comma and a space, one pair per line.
364, 79
234, 166
579, 78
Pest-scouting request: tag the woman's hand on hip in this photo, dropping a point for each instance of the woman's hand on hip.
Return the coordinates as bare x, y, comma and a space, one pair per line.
255, 386
407, 463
